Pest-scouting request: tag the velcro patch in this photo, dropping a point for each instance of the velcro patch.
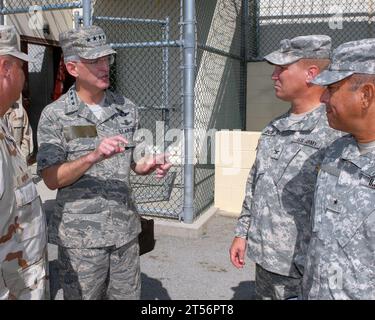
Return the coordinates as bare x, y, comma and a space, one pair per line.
75, 132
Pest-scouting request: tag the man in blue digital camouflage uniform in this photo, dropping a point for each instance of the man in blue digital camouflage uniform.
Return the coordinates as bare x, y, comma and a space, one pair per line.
83, 152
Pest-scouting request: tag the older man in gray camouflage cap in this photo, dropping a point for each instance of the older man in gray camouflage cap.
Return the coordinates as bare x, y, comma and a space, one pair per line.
23, 236
341, 256
84, 152
275, 215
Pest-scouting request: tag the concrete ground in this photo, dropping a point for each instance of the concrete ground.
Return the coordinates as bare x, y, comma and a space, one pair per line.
180, 267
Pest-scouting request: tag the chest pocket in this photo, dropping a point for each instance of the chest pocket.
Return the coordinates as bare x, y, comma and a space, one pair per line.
357, 210
79, 147
300, 159
284, 159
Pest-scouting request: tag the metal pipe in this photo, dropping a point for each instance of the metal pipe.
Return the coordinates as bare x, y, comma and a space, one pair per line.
76, 20
245, 28
86, 5
73, 5
2, 16
155, 44
189, 38
161, 213
257, 27
165, 73
129, 20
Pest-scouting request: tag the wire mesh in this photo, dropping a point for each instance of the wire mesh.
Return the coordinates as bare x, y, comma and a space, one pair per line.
272, 21
150, 76
149, 71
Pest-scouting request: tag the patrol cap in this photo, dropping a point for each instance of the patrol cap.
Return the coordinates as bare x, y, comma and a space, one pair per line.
9, 43
302, 47
86, 42
347, 59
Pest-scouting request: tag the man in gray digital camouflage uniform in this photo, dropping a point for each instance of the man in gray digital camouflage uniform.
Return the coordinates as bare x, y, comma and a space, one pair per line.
279, 191
23, 232
84, 153
340, 262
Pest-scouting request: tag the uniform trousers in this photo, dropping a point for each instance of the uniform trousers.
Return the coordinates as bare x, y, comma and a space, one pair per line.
108, 273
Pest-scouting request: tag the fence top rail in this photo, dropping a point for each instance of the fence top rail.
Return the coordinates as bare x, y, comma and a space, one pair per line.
47, 7
130, 20
155, 44
314, 15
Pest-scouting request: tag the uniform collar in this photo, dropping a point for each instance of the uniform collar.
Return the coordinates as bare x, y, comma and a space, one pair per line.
365, 162
111, 103
307, 123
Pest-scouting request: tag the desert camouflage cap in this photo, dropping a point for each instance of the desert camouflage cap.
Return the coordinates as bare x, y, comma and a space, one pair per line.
347, 59
87, 42
303, 47
9, 43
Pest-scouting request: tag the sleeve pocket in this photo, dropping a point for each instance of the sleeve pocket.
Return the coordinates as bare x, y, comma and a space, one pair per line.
26, 194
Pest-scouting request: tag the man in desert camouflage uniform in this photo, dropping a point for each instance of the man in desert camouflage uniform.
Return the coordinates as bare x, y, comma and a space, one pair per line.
279, 191
23, 237
19, 127
84, 152
341, 256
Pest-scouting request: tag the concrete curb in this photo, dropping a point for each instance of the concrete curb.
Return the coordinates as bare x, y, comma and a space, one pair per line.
184, 230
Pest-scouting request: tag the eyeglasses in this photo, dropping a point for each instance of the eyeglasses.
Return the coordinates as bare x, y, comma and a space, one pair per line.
106, 59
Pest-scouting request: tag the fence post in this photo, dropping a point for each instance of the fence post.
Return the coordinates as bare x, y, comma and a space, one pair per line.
189, 45
244, 54
253, 27
1, 15
86, 5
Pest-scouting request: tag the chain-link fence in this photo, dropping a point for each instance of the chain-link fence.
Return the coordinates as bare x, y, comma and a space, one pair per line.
150, 75
149, 40
271, 21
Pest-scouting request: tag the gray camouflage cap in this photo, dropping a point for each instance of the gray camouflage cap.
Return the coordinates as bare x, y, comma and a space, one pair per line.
347, 59
9, 43
87, 42
302, 47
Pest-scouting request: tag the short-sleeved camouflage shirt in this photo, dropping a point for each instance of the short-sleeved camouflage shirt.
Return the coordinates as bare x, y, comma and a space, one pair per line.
23, 232
97, 210
341, 255
279, 191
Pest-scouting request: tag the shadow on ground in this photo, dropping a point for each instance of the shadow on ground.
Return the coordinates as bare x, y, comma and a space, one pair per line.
49, 207
244, 291
152, 289
54, 285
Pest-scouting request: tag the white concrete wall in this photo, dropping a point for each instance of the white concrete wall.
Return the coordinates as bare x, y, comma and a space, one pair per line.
234, 157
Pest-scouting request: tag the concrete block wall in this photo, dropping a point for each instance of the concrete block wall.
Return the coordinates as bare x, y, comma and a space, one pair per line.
234, 156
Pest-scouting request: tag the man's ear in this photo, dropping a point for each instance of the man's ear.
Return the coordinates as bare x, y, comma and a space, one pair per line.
71, 67
312, 72
367, 95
